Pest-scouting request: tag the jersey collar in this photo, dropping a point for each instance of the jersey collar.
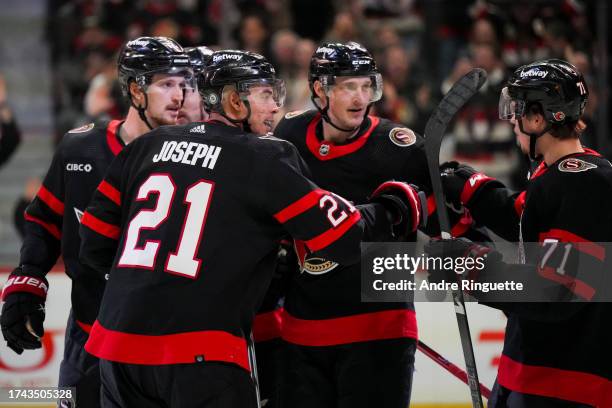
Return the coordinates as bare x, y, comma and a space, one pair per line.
324, 150
542, 167
113, 140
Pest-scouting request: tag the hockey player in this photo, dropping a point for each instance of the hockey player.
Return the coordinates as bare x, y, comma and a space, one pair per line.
154, 74
343, 352
193, 109
555, 354
188, 221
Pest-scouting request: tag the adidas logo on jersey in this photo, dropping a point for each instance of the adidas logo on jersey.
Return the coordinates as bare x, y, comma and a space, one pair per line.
198, 129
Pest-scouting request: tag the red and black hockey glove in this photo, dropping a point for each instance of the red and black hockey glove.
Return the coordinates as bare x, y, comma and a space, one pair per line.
23, 311
469, 258
406, 205
462, 183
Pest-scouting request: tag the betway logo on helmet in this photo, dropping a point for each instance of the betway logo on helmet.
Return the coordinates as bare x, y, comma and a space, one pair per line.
222, 57
325, 50
140, 43
534, 72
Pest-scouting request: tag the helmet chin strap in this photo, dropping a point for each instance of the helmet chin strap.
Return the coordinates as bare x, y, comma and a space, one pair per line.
141, 110
326, 117
533, 137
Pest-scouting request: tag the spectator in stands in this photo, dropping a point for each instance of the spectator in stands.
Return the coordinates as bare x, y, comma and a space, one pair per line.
10, 136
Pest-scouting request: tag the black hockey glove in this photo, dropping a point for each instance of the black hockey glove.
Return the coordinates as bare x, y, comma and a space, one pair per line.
23, 311
469, 259
462, 183
406, 205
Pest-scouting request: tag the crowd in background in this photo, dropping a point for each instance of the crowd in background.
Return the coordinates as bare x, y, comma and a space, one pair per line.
421, 46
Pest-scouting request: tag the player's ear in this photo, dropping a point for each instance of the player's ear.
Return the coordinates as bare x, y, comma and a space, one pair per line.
136, 94
235, 105
320, 92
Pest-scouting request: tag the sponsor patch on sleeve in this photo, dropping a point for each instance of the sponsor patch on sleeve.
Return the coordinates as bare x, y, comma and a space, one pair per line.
573, 165
402, 137
293, 114
83, 128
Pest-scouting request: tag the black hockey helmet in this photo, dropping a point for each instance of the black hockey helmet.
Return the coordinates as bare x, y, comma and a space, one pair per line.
242, 69
199, 57
555, 84
332, 60
143, 57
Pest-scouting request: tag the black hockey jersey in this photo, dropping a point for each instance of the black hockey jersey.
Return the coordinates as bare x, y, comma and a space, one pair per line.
53, 217
323, 304
188, 220
559, 350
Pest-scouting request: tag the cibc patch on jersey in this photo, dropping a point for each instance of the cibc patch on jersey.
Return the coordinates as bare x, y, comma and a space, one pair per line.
573, 165
82, 129
402, 137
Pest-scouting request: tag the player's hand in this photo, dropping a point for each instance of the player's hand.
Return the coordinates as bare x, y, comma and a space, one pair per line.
23, 311
405, 203
456, 248
462, 183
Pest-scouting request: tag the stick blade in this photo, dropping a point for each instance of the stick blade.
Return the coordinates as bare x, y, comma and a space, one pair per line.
459, 94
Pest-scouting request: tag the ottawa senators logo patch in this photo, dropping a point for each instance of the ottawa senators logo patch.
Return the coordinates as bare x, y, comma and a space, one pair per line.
318, 266
293, 114
83, 128
573, 165
402, 137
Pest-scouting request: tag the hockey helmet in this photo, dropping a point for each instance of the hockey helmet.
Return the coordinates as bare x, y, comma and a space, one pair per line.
199, 57
143, 57
332, 60
244, 70
555, 84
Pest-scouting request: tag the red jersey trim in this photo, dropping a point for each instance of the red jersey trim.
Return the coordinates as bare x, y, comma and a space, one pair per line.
574, 285
179, 348
99, 226
51, 228
519, 203
335, 151
541, 169
328, 237
582, 244
554, 382
84, 326
110, 192
51, 200
267, 326
299, 206
111, 137
431, 204
388, 324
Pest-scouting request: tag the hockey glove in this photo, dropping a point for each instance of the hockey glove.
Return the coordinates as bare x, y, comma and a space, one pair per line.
23, 311
406, 205
462, 183
468, 258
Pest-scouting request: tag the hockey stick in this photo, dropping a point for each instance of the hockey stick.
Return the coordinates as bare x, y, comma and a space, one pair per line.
461, 92
253, 364
450, 367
